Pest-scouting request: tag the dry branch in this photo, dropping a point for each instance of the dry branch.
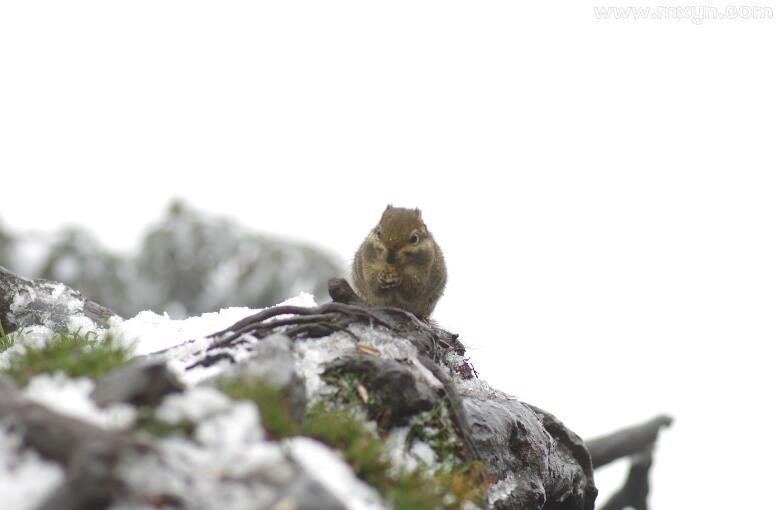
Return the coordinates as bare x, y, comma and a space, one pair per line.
626, 442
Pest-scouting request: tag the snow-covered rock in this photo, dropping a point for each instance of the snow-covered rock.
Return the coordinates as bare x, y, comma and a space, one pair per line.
189, 263
407, 382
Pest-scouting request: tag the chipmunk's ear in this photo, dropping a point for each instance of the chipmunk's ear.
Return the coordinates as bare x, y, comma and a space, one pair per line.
421, 221
388, 208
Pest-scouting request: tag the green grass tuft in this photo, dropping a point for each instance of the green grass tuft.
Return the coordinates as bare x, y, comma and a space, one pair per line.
6, 342
74, 354
359, 447
274, 406
437, 430
416, 490
364, 451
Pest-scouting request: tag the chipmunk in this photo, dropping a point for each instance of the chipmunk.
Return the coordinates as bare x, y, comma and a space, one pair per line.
399, 264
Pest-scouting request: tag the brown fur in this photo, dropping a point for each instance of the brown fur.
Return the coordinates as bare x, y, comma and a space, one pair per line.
390, 270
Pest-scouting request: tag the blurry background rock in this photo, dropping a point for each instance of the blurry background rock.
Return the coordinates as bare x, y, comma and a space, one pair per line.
188, 263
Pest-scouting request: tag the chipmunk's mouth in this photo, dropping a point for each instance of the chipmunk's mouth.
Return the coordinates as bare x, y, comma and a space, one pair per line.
388, 280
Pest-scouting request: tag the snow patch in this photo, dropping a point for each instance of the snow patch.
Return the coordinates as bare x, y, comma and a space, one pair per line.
21, 300
26, 479
311, 356
423, 452
226, 464
71, 397
193, 405
325, 465
242, 422
502, 489
149, 333
419, 455
82, 324
394, 447
30, 336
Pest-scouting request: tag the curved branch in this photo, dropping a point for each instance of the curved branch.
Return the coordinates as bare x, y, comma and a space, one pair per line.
626, 442
634, 493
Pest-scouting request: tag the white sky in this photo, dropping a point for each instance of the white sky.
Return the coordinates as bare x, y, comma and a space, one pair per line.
604, 191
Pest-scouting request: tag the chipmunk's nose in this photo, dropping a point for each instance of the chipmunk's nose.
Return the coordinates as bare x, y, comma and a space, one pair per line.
389, 277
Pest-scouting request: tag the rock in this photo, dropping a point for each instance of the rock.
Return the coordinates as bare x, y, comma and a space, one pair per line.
405, 368
189, 263
26, 302
230, 466
272, 361
306, 493
536, 461
139, 383
397, 393
543, 464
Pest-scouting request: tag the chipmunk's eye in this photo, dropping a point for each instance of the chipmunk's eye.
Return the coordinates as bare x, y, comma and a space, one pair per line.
378, 232
414, 238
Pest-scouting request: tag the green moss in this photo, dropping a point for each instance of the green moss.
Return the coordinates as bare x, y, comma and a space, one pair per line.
444, 489
364, 451
6, 342
360, 448
274, 406
437, 430
335, 424
74, 354
434, 427
344, 386
346, 394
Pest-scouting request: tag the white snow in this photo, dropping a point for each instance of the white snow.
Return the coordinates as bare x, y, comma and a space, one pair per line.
228, 443
241, 422
32, 336
48, 292
26, 479
326, 466
203, 476
420, 454
232, 437
214, 467
193, 405
423, 452
501, 489
21, 300
311, 356
71, 397
81, 324
394, 447
149, 332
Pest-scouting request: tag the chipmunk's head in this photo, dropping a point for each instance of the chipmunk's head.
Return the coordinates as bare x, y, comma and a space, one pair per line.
399, 248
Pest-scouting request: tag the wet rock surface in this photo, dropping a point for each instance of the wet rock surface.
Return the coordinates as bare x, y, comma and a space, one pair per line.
25, 302
411, 378
140, 383
397, 393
